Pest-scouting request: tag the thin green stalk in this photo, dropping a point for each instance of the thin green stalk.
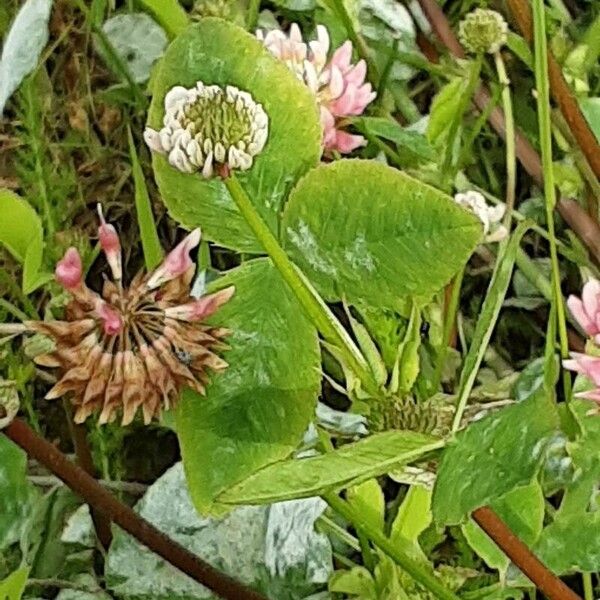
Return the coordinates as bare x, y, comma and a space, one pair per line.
472, 83
153, 252
415, 569
356, 39
543, 100
449, 322
588, 588
511, 157
17, 292
389, 63
316, 309
16, 312
252, 15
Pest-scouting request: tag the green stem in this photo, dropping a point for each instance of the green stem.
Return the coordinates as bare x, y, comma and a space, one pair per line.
16, 312
252, 15
588, 588
543, 99
356, 39
403, 101
448, 327
472, 82
511, 157
415, 569
316, 309
389, 63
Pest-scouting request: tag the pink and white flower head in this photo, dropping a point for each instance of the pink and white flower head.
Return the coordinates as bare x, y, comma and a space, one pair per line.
587, 309
132, 348
338, 84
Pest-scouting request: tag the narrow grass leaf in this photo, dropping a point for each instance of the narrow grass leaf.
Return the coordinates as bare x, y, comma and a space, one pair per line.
488, 318
153, 252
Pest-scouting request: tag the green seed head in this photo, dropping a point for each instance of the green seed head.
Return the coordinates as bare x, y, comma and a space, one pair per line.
483, 31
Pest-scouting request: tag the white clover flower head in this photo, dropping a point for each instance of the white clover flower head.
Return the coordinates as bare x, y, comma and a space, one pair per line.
482, 31
490, 216
208, 128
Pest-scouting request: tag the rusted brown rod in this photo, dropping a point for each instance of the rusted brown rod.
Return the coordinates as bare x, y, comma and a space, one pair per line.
560, 91
102, 500
576, 217
522, 557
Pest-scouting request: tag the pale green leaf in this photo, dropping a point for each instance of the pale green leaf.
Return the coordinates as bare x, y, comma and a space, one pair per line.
17, 496
350, 465
493, 456
13, 586
19, 226
443, 110
591, 110
414, 515
522, 510
367, 500
362, 230
203, 53
412, 142
137, 40
256, 412
571, 544
23, 45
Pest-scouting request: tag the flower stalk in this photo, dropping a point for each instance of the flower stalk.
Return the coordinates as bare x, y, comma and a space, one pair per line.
543, 100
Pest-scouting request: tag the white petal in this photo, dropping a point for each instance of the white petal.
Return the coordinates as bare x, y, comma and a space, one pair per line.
219, 152
152, 139
207, 170
174, 96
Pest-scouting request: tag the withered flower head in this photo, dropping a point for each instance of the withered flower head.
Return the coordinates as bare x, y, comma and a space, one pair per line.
132, 347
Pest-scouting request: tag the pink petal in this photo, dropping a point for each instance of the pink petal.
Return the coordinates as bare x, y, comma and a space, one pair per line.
112, 322
346, 142
342, 56
177, 262
585, 364
356, 75
589, 395
577, 309
69, 270
344, 104
202, 308
336, 83
591, 302
110, 244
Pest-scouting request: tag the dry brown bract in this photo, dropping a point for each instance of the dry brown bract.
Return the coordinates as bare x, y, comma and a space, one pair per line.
133, 347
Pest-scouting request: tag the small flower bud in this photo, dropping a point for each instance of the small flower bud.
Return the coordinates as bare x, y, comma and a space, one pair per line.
110, 244
483, 31
177, 262
69, 270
